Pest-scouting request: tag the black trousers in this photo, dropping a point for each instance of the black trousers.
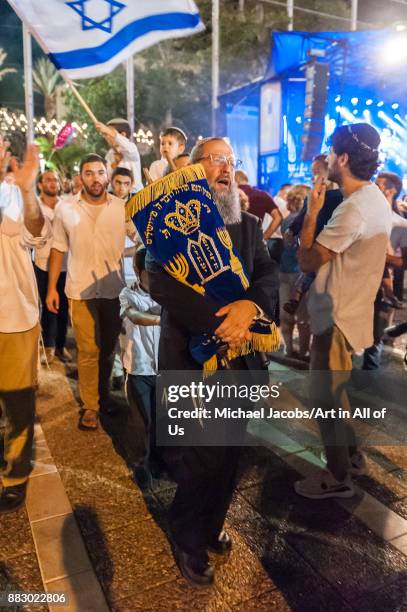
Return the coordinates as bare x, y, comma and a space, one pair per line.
54, 326
206, 479
398, 283
141, 397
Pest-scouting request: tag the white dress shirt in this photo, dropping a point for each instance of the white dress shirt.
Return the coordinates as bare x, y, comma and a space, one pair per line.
18, 288
41, 253
95, 245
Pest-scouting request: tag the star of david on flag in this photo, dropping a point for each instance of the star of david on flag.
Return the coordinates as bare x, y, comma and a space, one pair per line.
90, 24
89, 38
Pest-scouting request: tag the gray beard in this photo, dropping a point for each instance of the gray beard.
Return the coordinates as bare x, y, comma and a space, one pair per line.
228, 204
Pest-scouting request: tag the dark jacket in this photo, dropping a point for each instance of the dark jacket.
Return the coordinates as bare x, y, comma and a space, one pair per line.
187, 313
333, 198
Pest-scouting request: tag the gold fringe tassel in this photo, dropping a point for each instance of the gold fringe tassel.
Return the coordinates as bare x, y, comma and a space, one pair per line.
163, 186
264, 343
210, 366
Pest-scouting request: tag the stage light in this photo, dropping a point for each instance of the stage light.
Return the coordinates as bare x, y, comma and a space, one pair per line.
339, 108
400, 27
379, 104
395, 127
346, 114
298, 119
338, 98
355, 112
369, 102
395, 106
367, 114
395, 51
354, 101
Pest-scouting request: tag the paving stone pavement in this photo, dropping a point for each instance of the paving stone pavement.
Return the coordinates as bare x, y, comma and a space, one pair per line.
89, 530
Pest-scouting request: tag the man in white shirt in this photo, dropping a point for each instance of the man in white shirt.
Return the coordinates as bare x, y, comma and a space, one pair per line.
91, 228
54, 327
123, 152
22, 227
348, 257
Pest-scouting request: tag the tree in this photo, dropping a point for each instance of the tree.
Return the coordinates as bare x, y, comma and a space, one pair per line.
4, 71
45, 79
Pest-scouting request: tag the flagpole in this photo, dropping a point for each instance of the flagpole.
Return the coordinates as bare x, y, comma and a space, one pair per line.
28, 84
354, 15
215, 64
290, 14
79, 98
130, 94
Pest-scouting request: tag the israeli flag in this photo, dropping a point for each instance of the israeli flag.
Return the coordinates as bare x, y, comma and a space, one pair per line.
88, 38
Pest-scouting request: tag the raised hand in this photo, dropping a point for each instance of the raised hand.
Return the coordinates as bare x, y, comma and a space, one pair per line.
107, 131
316, 197
26, 173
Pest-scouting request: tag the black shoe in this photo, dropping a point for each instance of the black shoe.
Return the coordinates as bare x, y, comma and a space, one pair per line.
195, 570
142, 477
12, 498
222, 545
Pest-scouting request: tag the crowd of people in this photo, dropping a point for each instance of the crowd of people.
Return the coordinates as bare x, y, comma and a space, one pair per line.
327, 258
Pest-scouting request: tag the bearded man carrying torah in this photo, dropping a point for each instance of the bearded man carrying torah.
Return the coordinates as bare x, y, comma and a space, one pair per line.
211, 272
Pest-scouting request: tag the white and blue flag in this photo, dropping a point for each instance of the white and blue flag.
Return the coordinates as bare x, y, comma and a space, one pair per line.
88, 38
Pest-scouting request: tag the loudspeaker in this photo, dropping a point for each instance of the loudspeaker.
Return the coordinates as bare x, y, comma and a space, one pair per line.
316, 97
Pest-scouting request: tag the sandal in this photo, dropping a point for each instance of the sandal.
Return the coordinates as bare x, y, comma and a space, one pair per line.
89, 420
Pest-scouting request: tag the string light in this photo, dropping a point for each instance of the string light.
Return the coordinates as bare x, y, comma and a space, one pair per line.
11, 121
144, 137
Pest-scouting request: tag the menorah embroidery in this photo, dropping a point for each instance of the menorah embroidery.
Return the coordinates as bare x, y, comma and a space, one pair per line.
179, 269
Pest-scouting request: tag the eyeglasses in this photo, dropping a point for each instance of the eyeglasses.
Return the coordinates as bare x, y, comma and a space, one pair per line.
220, 160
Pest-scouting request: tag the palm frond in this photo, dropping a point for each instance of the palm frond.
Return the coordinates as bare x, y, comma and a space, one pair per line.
4, 71
45, 77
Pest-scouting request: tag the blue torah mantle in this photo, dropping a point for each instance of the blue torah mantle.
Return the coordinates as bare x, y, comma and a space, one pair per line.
179, 223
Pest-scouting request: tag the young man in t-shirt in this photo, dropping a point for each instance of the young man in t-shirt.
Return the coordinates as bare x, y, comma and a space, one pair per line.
348, 257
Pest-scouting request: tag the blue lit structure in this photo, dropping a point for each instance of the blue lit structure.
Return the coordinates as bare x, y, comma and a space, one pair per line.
265, 119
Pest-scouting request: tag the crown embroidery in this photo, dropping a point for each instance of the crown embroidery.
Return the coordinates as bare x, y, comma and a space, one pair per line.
185, 219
